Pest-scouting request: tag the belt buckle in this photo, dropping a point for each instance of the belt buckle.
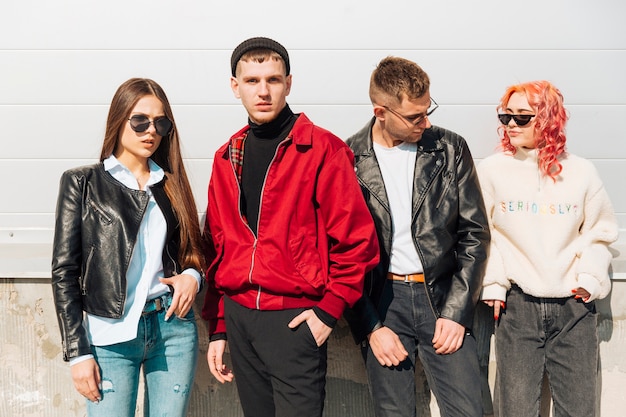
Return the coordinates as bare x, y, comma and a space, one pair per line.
406, 279
158, 304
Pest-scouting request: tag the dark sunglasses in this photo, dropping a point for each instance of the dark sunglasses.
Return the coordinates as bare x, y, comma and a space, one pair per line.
520, 119
415, 120
140, 123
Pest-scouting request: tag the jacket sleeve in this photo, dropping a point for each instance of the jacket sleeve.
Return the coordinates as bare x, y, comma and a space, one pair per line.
67, 265
213, 307
473, 240
363, 318
353, 247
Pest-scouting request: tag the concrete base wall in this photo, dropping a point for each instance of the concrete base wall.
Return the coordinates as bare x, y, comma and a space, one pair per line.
35, 382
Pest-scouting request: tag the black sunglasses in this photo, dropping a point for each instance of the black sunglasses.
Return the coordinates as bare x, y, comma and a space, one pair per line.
415, 120
140, 123
520, 119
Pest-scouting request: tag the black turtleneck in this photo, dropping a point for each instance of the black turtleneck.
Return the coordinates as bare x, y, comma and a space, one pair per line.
259, 150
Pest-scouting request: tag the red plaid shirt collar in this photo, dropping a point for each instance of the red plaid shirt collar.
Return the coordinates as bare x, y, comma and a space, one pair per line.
236, 154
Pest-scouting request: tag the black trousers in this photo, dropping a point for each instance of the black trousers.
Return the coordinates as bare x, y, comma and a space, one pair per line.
279, 372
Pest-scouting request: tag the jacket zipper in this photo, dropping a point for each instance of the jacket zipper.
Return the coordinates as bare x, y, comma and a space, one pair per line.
100, 212
430, 302
248, 226
83, 288
169, 255
66, 352
448, 181
254, 247
258, 221
143, 212
414, 219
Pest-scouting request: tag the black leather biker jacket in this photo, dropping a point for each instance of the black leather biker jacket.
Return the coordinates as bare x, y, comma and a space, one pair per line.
449, 226
97, 222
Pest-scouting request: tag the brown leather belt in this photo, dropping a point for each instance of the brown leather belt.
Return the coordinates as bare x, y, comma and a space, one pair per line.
406, 278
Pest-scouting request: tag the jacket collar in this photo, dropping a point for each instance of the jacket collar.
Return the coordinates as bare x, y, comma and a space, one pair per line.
362, 144
301, 133
368, 170
366, 165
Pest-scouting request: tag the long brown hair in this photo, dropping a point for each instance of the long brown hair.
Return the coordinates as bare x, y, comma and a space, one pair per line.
167, 156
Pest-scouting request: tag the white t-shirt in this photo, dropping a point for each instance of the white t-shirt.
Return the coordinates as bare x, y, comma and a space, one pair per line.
397, 165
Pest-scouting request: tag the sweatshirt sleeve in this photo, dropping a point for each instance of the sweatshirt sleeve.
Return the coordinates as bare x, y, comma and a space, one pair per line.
598, 231
495, 282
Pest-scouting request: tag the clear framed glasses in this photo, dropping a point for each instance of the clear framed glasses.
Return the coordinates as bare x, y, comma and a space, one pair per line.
415, 120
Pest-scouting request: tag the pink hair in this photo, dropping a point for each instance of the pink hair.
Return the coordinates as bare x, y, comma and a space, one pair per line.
550, 118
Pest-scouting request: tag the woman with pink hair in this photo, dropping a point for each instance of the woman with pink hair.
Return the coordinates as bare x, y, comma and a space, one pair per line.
551, 223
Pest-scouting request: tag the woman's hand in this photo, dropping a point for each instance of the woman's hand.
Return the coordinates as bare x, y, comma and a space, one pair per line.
580, 292
86, 377
185, 290
497, 305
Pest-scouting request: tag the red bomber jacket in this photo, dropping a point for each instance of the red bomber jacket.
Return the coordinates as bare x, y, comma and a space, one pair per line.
315, 236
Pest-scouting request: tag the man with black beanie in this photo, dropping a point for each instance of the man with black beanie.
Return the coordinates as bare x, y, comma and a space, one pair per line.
288, 238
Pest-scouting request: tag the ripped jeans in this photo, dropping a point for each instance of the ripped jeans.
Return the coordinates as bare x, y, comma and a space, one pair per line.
168, 353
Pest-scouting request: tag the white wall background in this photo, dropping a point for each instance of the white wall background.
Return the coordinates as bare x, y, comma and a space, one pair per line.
61, 61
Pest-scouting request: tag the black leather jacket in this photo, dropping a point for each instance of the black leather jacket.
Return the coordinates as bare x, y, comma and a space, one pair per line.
97, 222
449, 226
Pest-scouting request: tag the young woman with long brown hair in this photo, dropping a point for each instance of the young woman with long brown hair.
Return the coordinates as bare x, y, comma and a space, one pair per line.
127, 263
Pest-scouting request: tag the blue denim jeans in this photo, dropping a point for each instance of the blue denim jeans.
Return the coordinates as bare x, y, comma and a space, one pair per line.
453, 379
555, 335
167, 351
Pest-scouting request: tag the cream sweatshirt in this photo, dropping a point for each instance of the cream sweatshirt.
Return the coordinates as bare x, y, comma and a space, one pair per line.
547, 237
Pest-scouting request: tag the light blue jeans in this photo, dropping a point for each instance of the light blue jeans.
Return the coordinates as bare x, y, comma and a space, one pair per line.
167, 351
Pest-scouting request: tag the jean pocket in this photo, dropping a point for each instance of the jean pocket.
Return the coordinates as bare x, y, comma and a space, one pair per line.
190, 316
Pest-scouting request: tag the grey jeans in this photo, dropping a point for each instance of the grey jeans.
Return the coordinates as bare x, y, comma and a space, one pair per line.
452, 378
555, 335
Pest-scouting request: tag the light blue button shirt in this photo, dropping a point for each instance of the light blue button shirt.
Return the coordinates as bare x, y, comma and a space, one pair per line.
144, 270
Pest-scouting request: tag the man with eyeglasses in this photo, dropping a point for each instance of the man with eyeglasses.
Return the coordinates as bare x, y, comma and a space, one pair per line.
420, 184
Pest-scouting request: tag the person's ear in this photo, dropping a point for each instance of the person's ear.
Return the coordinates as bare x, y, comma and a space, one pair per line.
288, 83
379, 112
234, 85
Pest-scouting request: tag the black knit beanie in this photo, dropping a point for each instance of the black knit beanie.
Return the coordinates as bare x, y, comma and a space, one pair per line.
258, 43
